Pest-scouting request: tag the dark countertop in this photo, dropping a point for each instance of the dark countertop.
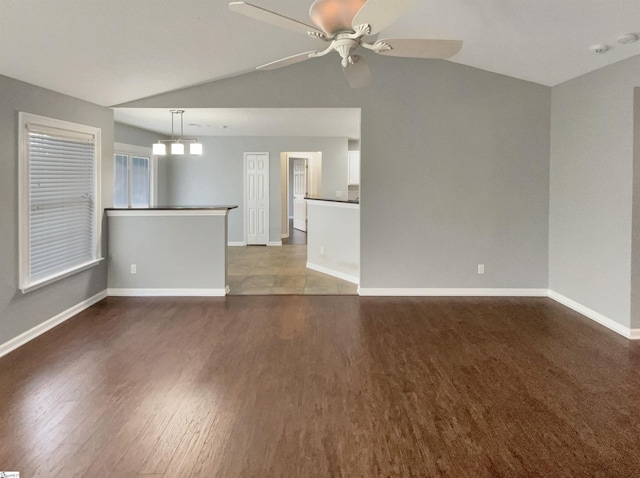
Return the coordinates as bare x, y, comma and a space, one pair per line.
171, 208
346, 201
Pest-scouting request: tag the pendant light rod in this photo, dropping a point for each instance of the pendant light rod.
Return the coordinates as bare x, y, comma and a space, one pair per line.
181, 113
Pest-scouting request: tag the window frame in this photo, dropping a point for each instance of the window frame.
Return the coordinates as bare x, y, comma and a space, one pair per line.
140, 151
25, 121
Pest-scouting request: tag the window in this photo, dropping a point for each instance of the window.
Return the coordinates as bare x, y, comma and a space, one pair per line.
133, 177
59, 199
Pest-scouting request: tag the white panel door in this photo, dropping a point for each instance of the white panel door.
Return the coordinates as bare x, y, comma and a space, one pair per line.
299, 192
354, 167
257, 197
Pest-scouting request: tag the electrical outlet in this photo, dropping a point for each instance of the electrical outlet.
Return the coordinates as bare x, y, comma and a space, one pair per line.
322, 250
480, 268
134, 268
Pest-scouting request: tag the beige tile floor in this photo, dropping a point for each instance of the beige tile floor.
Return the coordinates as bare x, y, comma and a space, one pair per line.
260, 270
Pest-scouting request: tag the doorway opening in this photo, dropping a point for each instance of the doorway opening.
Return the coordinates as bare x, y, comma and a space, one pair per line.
257, 270
298, 192
306, 181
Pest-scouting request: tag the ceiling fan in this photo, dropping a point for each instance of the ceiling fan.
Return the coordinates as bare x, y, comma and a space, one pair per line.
344, 24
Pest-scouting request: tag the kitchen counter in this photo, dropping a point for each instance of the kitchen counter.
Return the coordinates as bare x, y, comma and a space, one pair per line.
168, 251
346, 201
333, 238
163, 210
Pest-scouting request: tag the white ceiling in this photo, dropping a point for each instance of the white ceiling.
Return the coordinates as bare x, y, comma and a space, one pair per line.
111, 52
340, 122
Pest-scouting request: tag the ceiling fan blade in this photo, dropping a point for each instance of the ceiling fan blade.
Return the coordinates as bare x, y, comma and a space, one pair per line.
290, 60
357, 73
267, 16
418, 48
379, 14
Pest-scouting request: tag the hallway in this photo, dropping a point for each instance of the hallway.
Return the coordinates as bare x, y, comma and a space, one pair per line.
261, 270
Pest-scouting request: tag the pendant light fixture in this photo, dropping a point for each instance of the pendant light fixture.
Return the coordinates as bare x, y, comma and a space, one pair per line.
177, 144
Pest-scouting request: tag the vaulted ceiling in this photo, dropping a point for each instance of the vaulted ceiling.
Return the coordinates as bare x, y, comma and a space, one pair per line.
111, 52
343, 122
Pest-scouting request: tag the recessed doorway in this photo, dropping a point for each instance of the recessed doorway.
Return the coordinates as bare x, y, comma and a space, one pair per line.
324, 137
296, 236
260, 270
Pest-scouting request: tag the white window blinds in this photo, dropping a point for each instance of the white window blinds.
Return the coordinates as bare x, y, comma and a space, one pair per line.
61, 222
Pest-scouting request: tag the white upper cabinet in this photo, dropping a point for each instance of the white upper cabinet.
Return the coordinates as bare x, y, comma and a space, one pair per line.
354, 167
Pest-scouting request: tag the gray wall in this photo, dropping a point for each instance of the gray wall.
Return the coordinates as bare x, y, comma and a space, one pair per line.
170, 252
124, 133
336, 229
455, 165
591, 189
635, 247
18, 312
216, 177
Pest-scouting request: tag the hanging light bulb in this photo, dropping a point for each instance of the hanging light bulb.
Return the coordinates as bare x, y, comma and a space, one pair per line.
195, 148
159, 149
177, 148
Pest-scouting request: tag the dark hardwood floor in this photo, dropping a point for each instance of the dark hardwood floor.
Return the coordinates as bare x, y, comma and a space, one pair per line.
308, 386
296, 236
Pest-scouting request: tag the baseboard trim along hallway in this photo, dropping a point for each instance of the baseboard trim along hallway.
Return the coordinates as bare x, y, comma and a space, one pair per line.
443, 292
334, 273
167, 292
47, 325
633, 334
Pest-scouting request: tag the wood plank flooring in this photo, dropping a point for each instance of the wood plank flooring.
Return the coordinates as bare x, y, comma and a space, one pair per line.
296, 236
316, 386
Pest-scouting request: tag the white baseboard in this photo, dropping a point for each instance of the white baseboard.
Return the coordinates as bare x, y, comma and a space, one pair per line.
436, 292
332, 272
596, 316
49, 324
39, 329
284, 236
236, 244
611, 324
167, 292
274, 243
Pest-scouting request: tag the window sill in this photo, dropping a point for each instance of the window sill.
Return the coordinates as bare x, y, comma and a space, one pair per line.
49, 280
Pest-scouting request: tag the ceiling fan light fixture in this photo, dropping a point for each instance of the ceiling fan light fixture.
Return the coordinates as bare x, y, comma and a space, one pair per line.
345, 26
335, 16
